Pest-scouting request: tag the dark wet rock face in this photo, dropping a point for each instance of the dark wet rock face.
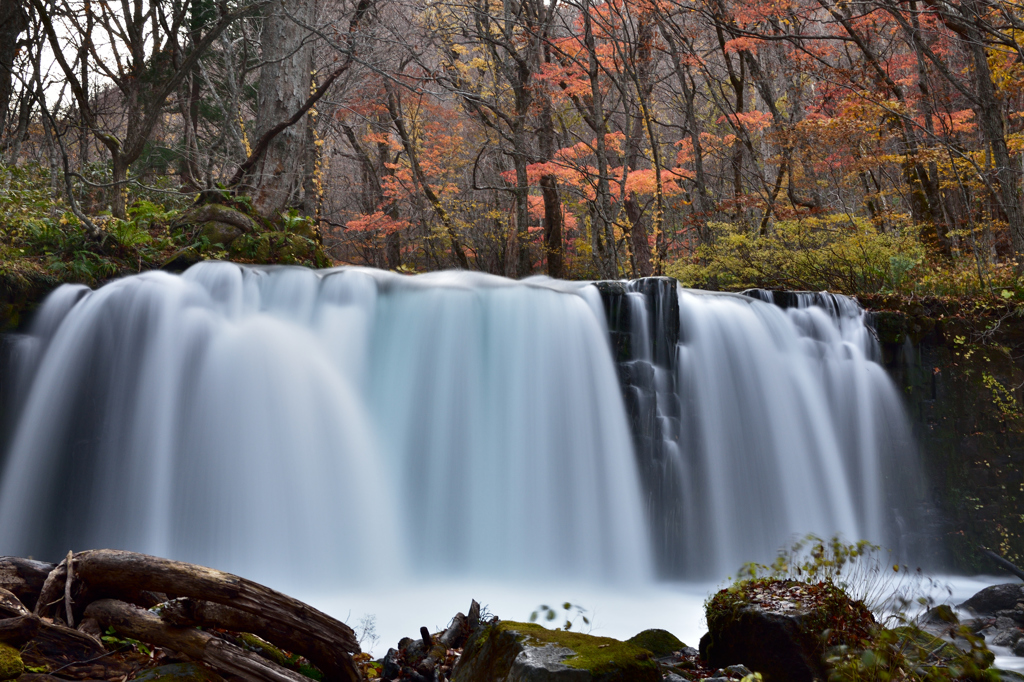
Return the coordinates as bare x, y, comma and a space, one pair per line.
958, 365
996, 598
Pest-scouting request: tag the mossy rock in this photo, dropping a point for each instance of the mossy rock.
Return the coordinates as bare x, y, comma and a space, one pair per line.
282, 248
23, 286
220, 213
658, 642
217, 232
179, 672
182, 260
782, 628
11, 665
527, 652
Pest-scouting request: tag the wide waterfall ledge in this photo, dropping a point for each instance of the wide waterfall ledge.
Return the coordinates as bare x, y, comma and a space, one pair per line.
352, 426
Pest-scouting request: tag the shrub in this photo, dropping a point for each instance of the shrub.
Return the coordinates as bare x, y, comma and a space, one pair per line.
834, 252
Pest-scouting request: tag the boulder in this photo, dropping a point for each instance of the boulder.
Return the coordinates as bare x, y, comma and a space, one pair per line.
218, 213
658, 642
217, 232
776, 627
505, 651
995, 598
182, 260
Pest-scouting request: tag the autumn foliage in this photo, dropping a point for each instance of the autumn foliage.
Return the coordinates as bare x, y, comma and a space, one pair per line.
858, 145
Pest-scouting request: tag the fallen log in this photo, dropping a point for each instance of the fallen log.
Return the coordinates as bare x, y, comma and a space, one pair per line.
60, 585
326, 642
23, 577
146, 626
58, 648
191, 612
11, 606
58, 639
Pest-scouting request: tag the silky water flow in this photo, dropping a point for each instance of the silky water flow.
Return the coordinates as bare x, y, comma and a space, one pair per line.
350, 425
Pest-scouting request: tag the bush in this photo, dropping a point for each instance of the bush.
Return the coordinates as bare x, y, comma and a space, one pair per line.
834, 252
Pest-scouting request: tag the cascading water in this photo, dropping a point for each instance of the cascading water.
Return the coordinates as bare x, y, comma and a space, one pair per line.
757, 424
360, 422
351, 420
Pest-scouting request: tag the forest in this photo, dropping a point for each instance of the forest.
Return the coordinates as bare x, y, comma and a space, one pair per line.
868, 146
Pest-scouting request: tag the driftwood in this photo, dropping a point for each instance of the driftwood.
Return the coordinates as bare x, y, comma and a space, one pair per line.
457, 633
11, 606
60, 640
73, 653
223, 656
104, 588
23, 577
326, 642
333, 663
60, 585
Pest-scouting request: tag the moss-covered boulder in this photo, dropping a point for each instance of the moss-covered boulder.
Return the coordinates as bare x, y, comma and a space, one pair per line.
218, 223
782, 628
283, 248
658, 642
11, 665
526, 652
179, 672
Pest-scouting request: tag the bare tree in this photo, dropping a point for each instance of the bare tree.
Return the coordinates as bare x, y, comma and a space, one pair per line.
139, 47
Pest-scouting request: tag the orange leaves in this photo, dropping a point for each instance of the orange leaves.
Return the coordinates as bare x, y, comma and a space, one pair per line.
751, 121
377, 222
643, 181
956, 122
741, 45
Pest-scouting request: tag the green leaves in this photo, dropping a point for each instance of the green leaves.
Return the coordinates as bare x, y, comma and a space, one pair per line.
550, 614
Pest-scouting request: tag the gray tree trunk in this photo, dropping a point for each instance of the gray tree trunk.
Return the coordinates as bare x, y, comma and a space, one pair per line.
12, 23
285, 82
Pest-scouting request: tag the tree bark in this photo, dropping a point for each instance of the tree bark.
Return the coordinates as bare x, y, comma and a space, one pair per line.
24, 578
285, 84
146, 626
13, 23
553, 223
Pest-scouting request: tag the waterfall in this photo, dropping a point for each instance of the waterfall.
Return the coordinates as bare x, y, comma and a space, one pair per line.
756, 424
356, 424
335, 424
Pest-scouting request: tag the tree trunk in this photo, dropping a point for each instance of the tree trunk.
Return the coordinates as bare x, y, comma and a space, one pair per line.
992, 128
119, 190
285, 82
553, 223
514, 261
603, 225
12, 23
